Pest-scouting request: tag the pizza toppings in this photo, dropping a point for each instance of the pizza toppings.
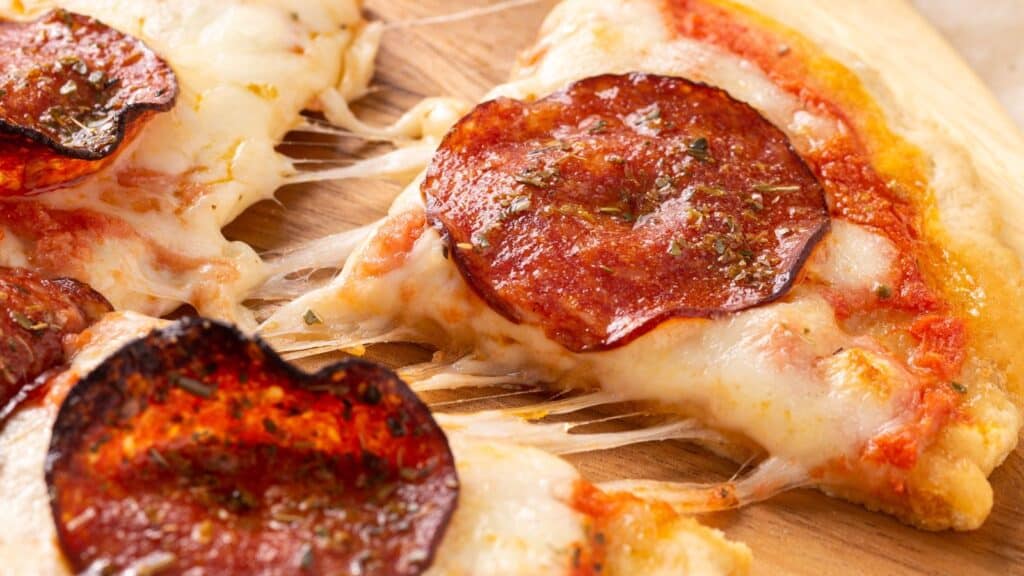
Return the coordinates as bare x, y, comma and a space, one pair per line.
197, 447
600, 211
72, 90
36, 316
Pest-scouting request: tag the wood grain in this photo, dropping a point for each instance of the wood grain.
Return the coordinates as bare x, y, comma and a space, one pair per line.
802, 532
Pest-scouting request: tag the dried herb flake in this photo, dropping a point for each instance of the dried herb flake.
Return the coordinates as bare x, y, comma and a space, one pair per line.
700, 149
193, 386
311, 318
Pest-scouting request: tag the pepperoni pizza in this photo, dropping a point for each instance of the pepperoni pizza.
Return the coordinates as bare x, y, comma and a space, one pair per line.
715, 210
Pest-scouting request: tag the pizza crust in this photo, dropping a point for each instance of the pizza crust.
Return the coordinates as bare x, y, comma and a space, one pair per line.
989, 41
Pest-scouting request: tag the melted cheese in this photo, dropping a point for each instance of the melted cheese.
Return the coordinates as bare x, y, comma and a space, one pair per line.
516, 518
622, 37
763, 372
787, 376
852, 258
246, 70
508, 494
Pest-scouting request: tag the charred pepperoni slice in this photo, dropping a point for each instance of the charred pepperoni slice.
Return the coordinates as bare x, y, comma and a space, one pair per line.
36, 317
600, 211
72, 90
198, 450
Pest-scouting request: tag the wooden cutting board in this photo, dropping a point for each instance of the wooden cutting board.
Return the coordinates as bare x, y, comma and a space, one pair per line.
801, 532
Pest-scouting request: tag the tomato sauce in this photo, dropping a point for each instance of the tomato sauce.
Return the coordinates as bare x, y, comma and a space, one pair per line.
860, 193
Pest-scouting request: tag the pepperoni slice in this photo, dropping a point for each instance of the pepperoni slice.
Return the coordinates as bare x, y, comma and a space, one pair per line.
198, 450
598, 212
36, 316
71, 91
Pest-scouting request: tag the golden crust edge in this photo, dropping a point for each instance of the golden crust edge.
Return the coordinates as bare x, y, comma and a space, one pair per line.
971, 147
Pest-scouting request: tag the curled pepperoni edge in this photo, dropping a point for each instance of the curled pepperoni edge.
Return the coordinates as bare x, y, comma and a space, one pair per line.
96, 394
509, 312
44, 297
132, 112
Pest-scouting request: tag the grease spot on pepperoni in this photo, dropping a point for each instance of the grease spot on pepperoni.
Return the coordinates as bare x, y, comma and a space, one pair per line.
72, 90
36, 316
199, 448
600, 211
391, 245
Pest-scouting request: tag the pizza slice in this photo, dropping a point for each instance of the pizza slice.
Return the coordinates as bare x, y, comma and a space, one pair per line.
754, 215
195, 449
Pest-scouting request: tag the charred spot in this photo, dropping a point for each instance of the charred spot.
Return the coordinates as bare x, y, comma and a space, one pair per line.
371, 394
396, 424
